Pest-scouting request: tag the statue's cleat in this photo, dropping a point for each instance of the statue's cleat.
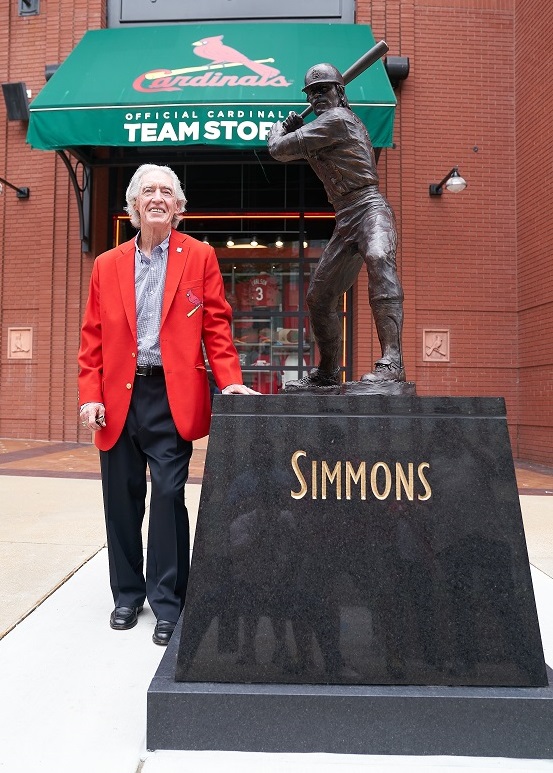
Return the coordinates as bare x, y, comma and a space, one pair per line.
385, 370
316, 379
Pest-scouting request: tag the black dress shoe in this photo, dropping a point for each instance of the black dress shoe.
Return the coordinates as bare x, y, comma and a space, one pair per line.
123, 618
163, 632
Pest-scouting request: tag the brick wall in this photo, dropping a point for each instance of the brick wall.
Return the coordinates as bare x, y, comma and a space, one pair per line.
534, 136
41, 269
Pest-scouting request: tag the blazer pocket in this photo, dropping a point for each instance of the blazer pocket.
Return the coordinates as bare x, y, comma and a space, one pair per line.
185, 284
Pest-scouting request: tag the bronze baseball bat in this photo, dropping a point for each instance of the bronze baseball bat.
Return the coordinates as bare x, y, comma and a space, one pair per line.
362, 64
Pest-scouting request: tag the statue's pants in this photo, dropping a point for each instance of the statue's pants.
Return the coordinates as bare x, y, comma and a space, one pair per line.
365, 232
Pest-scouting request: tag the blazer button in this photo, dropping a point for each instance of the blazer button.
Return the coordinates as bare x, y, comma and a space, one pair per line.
133, 354
129, 386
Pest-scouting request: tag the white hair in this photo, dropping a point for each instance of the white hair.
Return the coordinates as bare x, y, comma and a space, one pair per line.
134, 189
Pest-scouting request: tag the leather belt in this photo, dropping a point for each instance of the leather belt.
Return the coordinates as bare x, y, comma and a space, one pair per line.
149, 370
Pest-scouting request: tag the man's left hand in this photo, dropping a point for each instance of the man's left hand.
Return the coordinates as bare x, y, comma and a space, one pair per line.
239, 389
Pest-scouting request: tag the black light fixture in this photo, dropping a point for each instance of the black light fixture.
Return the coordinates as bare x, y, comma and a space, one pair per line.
17, 101
21, 193
49, 70
453, 182
397, 69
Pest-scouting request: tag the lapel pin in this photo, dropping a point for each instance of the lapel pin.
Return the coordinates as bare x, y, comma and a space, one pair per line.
179, 249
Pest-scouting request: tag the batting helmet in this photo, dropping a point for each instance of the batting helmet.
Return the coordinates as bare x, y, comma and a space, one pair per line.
323, 73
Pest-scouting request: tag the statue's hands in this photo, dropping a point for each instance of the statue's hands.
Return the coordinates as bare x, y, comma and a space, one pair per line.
292, 122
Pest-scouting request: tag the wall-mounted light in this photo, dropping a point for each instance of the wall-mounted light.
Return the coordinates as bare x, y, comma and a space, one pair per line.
49, 70
21, 193
205, 240
397, 69
453, 182
254, 242
16, 97
230, 242
279, 243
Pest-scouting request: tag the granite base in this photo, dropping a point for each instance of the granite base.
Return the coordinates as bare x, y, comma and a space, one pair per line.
359, 585
395, 720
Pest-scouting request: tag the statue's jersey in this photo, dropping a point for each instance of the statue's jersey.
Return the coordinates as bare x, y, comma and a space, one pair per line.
337, 147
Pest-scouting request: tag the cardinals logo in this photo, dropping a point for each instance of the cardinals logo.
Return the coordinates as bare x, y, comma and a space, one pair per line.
215, 50
222, 58
195, 301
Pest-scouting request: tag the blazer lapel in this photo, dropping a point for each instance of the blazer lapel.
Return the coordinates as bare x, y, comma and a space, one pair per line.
179, 248
125, 274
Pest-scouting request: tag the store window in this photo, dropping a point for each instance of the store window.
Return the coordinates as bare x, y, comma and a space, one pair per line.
271, 327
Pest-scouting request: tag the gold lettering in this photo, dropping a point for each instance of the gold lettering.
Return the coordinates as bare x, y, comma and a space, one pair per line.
361, 475
407, 483
427, 489
303, 484
388, 480
335, 475
381, 479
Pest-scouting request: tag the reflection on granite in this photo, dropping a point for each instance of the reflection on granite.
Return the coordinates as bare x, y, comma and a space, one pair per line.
360, 540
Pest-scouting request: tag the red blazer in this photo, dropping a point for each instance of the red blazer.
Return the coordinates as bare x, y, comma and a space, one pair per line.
108, 352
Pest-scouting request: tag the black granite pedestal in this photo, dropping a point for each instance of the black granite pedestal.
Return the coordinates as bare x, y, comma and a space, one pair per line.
360, 584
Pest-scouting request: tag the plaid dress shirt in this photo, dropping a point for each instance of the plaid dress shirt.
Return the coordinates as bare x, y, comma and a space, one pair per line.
149, 282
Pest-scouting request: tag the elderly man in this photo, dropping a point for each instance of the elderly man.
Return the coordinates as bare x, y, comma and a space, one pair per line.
337, 146
144, 390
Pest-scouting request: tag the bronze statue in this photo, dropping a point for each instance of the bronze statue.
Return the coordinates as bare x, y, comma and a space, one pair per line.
338, 148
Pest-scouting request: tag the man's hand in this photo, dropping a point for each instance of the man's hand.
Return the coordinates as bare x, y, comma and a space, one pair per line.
92, 416
239, 389
292, 122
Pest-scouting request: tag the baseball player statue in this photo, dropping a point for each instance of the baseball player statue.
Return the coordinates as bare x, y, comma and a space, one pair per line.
338, 148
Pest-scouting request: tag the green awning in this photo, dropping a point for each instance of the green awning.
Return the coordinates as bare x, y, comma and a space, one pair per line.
216, 84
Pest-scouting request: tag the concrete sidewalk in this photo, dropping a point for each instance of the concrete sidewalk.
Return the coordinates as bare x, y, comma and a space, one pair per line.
74, 691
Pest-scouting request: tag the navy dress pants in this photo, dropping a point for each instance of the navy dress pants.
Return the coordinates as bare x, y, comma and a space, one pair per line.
149, 438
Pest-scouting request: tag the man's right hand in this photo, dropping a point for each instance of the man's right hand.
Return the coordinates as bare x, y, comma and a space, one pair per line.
92, 416
292, 122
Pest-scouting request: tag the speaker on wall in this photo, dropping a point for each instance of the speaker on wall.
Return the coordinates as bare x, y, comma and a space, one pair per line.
17, 104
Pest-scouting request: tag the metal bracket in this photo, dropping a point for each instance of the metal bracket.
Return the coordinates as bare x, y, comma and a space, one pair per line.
83, 193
